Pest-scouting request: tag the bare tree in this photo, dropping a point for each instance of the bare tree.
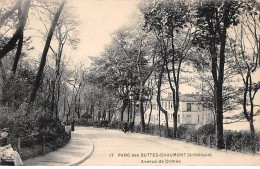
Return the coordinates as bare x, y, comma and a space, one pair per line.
245, 48
44, 54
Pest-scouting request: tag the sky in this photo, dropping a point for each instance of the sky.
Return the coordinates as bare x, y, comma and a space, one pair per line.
98, 20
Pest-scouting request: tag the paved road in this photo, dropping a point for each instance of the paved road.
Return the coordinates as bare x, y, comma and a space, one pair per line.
72, 153
113, 147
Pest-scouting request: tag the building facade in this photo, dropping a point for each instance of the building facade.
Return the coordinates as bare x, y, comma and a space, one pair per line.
191, 112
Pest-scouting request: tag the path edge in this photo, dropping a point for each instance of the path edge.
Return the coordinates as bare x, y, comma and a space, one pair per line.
85, 157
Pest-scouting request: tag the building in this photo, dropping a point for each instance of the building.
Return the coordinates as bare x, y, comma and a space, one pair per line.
191, 113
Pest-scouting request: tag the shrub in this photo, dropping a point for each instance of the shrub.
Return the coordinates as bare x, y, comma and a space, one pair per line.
204, 132
113, 124
104, 123
236, 141
181, 131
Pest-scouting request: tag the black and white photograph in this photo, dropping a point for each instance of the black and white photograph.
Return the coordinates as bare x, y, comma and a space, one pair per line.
129, 83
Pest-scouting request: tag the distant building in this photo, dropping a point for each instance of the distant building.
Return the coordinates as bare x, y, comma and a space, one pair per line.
191, 114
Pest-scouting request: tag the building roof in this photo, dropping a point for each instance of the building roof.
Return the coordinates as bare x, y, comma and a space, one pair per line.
185, 98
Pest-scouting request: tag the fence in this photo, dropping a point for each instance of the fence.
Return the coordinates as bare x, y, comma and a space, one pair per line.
39, 145
241, 144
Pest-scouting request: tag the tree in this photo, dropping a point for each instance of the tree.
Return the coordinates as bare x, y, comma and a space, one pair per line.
65, 35
169, 22
113, 71
136, 46
213, 18
8, 44
78, 82
200, 61
44, 54
245, 47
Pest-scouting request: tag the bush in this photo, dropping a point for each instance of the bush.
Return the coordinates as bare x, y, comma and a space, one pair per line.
181, 132
104, 123
207, 129
236, 141
204, 132
85, 122
115, 124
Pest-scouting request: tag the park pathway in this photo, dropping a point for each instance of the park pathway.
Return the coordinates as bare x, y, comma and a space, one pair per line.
113, 147
105, 147
77, 150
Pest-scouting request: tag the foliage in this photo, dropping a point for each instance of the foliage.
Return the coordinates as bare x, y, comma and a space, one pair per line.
212, 17
205, 131
17, 87
236, 141
164, 16
181, 131
114, 124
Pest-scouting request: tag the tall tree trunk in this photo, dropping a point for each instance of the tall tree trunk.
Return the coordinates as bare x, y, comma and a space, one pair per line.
20, 45
151, 110
219, 119
18, 53
57, 102
252, 129
134, 112
64, 104
1, 94
109, 112
52, 97
92, 112
219, 91
142, 111
252, 133
159, 123
44, 54
123, 110
158, 99
128, 112
57, 81
175, 122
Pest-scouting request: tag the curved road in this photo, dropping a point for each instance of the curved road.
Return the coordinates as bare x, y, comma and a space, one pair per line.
113, 147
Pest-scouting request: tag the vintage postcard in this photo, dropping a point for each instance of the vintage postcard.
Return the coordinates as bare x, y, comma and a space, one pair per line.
129, 83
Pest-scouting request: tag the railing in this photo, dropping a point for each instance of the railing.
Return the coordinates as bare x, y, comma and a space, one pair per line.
39, 145
240, 145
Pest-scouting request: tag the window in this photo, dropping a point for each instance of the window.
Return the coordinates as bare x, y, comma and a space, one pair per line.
171, 116
165, 105
178, 118
198, 118
188, 106
202, 117
169, 105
